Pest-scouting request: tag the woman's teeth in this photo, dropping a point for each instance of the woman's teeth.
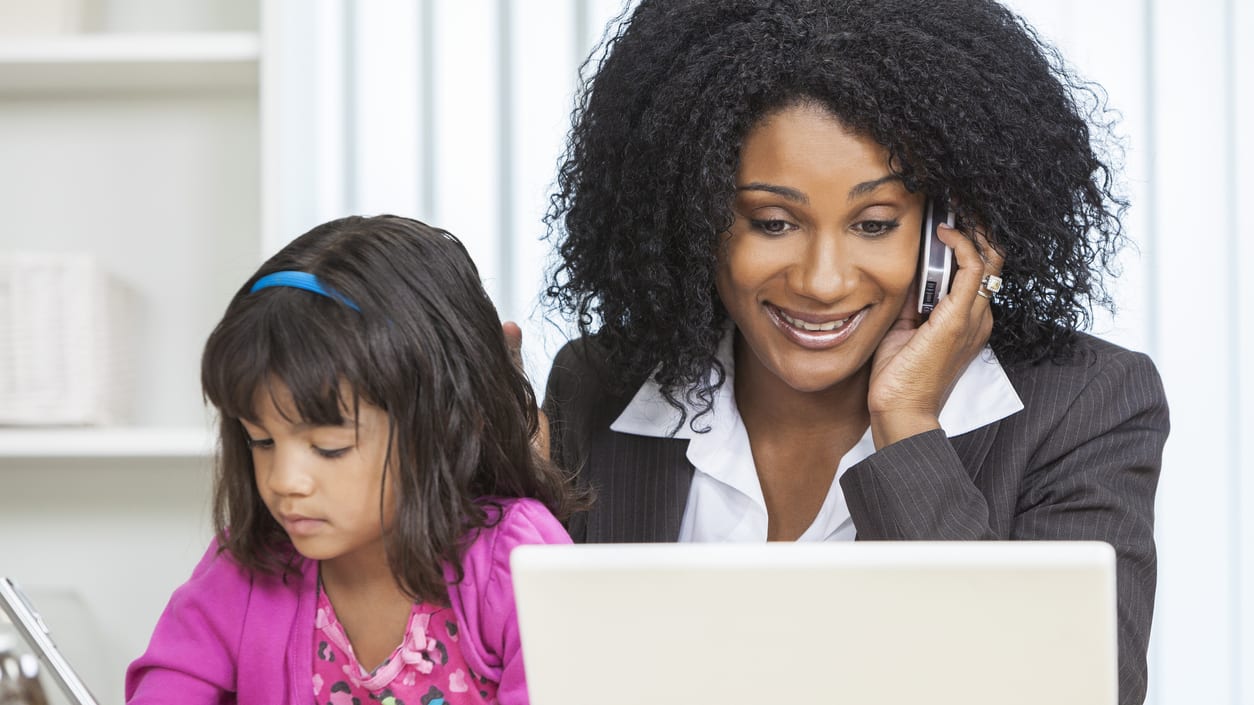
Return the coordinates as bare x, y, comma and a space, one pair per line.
816, 327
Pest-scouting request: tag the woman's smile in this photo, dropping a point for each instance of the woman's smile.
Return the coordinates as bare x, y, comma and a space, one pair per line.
815, 332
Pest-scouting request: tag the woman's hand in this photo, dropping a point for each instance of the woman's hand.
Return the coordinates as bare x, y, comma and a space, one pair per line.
918, 362
513, 340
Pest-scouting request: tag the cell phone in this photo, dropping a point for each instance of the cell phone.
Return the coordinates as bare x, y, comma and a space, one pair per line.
32, 630
936, 259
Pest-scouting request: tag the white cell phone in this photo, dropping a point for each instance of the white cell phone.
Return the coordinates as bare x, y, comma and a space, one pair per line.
32, 630
936, 259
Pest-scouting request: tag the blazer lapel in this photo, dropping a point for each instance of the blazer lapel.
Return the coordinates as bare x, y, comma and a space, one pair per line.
641, 498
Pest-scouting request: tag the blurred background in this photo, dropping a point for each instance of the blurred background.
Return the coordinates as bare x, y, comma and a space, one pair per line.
154, 152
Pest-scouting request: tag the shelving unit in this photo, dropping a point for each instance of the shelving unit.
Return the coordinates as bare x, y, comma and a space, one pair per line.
122, 62
139, 141
142, 135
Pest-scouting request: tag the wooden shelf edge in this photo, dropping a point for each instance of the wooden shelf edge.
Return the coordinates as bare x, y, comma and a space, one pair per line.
195, 47
101, 63
103, 443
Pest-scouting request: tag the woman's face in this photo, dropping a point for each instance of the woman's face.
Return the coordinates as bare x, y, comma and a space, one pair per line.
823, 251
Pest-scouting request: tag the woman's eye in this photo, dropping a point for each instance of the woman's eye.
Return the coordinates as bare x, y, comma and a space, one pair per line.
771, 227
331, 453
260, 443
875, 228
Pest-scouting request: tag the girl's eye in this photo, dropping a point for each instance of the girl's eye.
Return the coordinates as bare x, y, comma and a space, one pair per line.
331, 453
771, 227
260, 443
877, 228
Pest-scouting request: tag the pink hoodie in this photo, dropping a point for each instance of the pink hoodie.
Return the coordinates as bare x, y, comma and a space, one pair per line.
231, 636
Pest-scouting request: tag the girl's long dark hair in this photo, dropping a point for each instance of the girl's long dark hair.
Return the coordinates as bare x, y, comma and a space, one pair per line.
426, 346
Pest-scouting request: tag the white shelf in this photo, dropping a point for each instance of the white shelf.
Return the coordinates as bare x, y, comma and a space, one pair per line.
96, 443
110, 62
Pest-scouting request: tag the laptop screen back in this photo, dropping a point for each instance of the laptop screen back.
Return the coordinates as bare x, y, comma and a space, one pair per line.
967, 623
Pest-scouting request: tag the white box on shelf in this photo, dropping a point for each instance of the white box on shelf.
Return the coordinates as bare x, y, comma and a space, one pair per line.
63, 342
40, 17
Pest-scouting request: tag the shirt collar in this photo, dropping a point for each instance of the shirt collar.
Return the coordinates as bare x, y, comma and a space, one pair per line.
983, 394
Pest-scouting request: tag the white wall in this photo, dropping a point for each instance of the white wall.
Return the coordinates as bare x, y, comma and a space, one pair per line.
490, 95
456, 114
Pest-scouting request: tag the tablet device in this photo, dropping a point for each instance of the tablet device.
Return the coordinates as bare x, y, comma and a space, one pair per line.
872, 623
33, 634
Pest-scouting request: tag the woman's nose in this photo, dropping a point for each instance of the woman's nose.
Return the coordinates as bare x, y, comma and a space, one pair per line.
825, 272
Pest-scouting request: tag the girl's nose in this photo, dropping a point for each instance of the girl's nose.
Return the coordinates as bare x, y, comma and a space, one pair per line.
285, 473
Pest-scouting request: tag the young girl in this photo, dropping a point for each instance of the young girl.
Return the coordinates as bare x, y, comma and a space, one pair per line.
376, 469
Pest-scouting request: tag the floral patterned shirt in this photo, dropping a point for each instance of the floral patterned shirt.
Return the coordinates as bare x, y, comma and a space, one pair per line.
426, 669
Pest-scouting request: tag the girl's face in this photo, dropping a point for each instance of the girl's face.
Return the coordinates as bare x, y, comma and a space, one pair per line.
323, 484
823, 251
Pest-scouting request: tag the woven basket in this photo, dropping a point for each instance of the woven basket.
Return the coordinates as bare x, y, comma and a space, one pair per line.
63, 325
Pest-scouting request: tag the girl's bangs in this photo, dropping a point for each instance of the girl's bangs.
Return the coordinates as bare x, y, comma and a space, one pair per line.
285, 339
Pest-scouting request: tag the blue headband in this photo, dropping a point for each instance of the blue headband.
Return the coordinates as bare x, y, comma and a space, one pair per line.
301, 280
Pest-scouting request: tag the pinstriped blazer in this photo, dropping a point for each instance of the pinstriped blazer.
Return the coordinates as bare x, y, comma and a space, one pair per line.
1080, 462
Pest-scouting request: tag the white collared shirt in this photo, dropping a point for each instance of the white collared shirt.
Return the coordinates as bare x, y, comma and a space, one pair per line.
725, 502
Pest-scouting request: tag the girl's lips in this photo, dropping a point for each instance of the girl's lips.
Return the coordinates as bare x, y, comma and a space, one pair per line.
815, 334
296, 525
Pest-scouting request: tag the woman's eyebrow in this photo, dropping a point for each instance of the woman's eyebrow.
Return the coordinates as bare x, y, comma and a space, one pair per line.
794, 195
868, 186
791, 194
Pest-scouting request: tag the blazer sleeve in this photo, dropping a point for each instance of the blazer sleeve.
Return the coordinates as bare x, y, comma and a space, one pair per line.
566, 441
1091, 475
1095, 479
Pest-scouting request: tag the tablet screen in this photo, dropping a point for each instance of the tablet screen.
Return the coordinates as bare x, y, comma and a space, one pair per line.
32, 669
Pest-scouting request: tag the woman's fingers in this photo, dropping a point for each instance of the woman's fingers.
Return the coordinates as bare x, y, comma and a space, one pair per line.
541, 440
513, 341
976, 282
909, 318
972, 267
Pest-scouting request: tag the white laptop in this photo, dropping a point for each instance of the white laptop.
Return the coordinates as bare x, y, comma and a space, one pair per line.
867, 623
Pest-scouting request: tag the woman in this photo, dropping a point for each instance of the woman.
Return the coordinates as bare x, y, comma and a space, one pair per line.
738, 219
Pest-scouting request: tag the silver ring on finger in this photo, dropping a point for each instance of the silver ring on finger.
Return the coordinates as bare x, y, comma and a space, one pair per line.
989, 286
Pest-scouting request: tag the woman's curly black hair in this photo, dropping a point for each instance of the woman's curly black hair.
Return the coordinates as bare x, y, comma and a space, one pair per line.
970, 103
